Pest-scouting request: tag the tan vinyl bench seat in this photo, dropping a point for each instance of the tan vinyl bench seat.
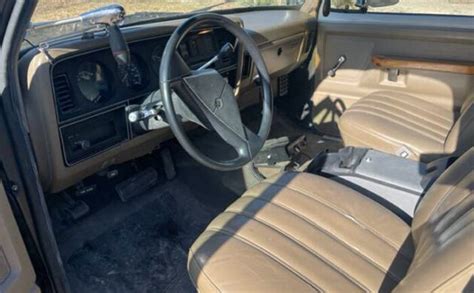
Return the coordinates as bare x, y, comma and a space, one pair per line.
304, 233
394, 122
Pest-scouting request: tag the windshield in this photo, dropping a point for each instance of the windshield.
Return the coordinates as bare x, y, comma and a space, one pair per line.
137, 11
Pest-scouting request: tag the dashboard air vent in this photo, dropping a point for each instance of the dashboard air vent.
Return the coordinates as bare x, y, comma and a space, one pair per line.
62, 91
283, 85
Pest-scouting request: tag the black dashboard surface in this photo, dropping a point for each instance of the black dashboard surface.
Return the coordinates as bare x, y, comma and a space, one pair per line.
87, 83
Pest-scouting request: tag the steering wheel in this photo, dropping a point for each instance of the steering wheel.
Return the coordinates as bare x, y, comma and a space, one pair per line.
209, 100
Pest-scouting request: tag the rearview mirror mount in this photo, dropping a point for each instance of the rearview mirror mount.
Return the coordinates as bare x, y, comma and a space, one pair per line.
363, 5
326, 7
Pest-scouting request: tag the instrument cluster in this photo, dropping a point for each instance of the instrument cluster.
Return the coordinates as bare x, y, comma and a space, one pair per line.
93, 81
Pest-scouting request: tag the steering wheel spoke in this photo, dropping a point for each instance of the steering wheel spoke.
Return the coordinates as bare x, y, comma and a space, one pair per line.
245, 147
255, 142
179, 69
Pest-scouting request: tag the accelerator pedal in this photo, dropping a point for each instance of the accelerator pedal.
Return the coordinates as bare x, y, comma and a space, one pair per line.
137, 184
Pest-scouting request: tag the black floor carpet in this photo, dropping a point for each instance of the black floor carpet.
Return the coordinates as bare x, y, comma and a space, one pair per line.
146, 251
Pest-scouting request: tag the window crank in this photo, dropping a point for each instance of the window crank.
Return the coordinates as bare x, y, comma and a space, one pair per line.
340, 61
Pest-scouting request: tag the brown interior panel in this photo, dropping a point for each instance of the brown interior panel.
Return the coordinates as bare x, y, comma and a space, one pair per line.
16, 270
433, 61
280, 53
282, 34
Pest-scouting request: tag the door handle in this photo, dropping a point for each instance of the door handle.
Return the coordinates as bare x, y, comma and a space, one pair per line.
340, 61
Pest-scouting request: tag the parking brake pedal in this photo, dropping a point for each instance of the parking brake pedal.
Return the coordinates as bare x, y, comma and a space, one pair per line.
137, 184
75, 209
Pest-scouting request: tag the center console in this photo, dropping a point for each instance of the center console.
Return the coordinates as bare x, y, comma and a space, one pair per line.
395, 182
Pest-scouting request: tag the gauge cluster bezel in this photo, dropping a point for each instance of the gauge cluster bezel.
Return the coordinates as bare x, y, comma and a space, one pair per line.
142, 52
119, 91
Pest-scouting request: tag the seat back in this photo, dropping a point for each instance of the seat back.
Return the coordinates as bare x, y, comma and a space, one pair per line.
443, 233
461, 136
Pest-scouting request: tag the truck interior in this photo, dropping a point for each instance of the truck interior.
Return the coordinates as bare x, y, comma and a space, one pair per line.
308, 146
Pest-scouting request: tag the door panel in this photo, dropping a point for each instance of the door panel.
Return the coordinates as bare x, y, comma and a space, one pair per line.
16, 271
360, 37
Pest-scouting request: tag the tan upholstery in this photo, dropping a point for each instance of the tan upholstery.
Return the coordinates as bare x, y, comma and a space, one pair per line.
391, 121
443, 233
301, 232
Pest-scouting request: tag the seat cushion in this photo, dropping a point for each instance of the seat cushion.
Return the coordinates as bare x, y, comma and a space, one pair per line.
300, 232
388, 121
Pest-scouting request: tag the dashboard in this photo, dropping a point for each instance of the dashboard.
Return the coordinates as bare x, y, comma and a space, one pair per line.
90, 83
77, 99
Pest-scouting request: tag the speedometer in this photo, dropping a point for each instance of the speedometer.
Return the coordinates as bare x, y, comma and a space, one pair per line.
92, 81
